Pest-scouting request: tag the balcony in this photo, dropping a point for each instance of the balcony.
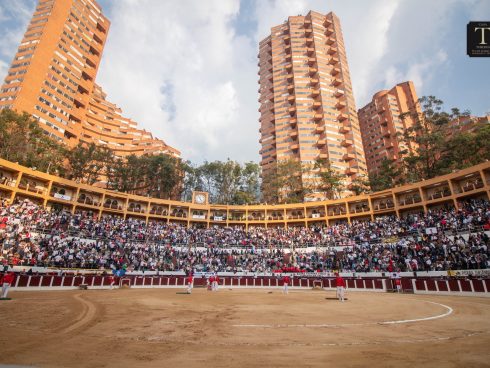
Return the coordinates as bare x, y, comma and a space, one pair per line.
311, 61
294, 147
345, 128
289, 67
312, 71
332, 51
293, 122
323, 156
290, 78
317, 105
309, 41
315, 93
308, 32
330, 41
348, 157
386, 133
292, 111
336, 82
333, 60
339, 93
314, 81
310, 51
335, 71
291, 88
287, 40
347, 142
384, 123
340, 105
291, 99
321, 142
410, 199
319, 129
342, 117
317, 117
351, 171
329, 30
294, 135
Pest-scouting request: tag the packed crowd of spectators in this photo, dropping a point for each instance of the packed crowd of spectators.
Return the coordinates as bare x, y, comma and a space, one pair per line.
32, 235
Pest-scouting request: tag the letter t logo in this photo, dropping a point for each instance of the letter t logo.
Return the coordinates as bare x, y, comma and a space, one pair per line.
482, 34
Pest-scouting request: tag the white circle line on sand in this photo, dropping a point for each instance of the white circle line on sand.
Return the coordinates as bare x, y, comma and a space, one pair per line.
449, 310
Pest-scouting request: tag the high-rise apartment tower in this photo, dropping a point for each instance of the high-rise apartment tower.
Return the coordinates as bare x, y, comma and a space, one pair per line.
52, 77
382, 122
307, 108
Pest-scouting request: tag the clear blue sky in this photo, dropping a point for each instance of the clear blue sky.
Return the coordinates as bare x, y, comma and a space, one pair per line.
187, 70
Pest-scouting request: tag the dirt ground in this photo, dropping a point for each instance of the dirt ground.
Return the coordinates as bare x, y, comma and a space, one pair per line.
242, 328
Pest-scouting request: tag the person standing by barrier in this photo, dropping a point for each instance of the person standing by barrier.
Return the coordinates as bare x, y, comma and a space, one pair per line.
398, 283
190, 283
285, 281
340, 283
6, 281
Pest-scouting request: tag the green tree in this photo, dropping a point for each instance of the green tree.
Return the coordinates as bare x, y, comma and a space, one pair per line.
388, 176
23, 141
158, 176
284, 183
192, 180
88, 163
464, 149
427, 137
329, 181
360, 184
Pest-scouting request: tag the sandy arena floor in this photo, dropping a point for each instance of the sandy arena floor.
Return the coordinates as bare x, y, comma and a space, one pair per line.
242, 328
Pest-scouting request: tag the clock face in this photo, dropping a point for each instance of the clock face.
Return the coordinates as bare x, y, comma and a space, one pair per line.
200, 198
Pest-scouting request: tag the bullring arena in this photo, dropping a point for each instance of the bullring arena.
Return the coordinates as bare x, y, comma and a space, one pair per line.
63, 240
154, 323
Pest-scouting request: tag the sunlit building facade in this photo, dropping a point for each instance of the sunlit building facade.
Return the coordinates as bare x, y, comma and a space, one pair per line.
383, 122
52, 77
307, 108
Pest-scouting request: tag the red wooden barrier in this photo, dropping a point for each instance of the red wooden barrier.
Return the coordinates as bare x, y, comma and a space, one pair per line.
34, 281
22, 280
431, 285
67, 281
453, 285
46, 281
406, 284
420, 285
478, 286
57, 281
442, 284
465, 285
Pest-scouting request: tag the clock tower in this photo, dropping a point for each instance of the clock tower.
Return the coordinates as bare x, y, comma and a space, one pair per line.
200, 197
